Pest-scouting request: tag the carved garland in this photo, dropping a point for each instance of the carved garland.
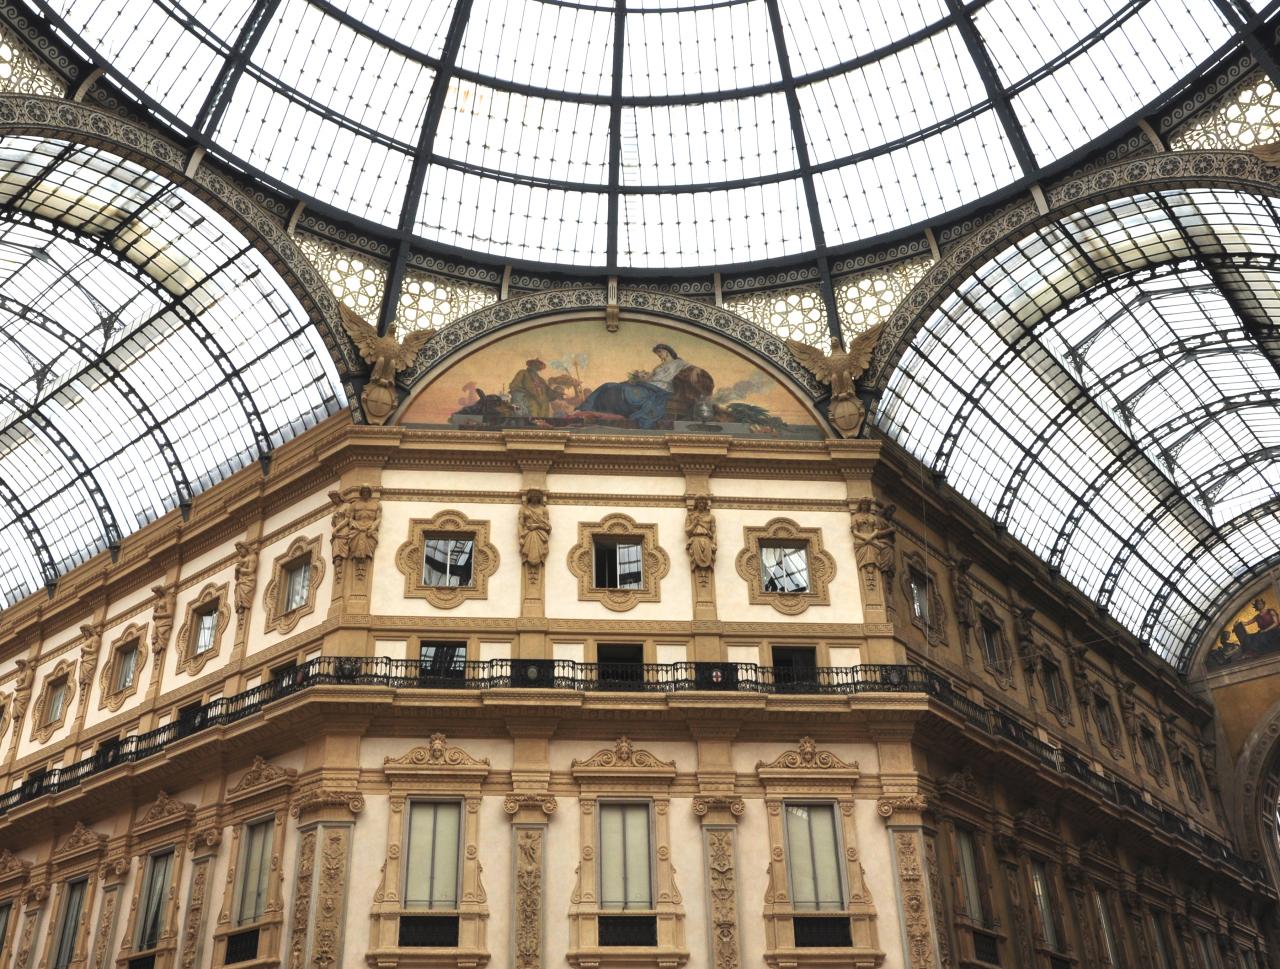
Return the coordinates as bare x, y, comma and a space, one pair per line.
655, 563
273, 597
42, 727
821, 566
211, 597
110, 697
447, 524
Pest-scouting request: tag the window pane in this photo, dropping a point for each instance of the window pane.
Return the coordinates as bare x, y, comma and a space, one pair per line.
65, 944
813, 857
257, 867
625, 853
126, 664
431, 878
204, 631
1044, 903
153, 898
5, 909
629, 567
919, 596
969, 870
298, 589
447, 562
785, 568
1104, 924
619, 565
1162, 941
57, 700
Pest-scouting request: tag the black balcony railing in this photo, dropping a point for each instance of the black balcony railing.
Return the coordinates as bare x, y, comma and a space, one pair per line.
624, 677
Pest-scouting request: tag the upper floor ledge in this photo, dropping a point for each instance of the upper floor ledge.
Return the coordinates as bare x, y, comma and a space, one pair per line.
890, 687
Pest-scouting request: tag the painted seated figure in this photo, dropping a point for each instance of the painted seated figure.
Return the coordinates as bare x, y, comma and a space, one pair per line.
672, 389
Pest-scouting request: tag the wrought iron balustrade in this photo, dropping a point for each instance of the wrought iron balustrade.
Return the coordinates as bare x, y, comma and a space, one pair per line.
729, 678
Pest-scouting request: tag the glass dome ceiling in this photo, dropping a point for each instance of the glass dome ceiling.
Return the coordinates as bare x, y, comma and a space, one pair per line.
646, 134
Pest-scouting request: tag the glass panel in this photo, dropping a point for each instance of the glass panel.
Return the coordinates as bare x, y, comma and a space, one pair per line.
68, 925
1162, 940
447, 562
126, 665
255, 870
206, 625
298, 589
442, 659
57, 701
5, 910
431, 873
785, 568
969, 873
619, 564
991, 651
813, 857
1045, 904
154, 894
919, 596
1105, 926
626, 877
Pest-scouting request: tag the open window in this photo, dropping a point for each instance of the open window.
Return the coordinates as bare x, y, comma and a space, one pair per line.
618, 563
442, 664
795, 669
785, 566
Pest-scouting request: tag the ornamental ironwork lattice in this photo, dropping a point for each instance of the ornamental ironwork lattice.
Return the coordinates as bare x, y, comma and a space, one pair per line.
428, 302
871, 297
1247, 117
793, 314
21, 72
354, 278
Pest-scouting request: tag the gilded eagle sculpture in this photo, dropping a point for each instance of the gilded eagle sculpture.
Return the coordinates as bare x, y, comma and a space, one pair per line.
386, 357
840, 371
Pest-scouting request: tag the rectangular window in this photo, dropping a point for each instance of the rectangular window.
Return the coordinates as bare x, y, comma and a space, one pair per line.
1045, 905
64, 943
970, 876
619, 563
126, 666
297, 585
1208, 951
1191, 777
1161, 934
447, 561
1150, 749
442, 660
919, 595
155, 889
1055, 688
795, 668
992, 644
784, 568
626, 857
431, 875
206, 625
255, 870
1250, 961
1106, 719
1106, 929
6, 910
813, 857
57, 701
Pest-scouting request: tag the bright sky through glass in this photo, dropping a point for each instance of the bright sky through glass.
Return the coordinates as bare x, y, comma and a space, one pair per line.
535, 104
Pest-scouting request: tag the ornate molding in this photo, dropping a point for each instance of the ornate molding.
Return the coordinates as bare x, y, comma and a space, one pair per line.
893, 804
273, 596
437, 755
162, 812
320, 799
915, 902
261, 776
80, 841
213, 597
449, 524
705, 804
42, 726
109, 697
723, 891
933, 624
528, 901
193, 927
821, 566
654, 562
515, 803
807, 757
623, 756
303, 885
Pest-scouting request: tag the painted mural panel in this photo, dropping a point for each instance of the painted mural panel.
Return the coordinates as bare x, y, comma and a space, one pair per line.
644, 378
1252, 632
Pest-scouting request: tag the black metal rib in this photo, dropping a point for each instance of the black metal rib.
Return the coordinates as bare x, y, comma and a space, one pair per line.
421, 161
22, 514
1258, 37
806, 173
224, 85
615, 135
996, 93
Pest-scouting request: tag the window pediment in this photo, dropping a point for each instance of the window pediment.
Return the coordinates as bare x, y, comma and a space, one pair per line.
624, 761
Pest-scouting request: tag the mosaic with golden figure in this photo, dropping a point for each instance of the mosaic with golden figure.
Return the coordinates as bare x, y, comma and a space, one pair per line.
1252, 632
578, 376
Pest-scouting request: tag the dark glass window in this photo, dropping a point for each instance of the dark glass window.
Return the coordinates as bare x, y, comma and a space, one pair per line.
155, 891
1150, 749
784, 568
1055, 687
442, 659
447, 561
919, 595
1106, 720
619, 563
992, 643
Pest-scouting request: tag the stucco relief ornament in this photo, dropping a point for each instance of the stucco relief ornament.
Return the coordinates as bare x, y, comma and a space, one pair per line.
22, 688
386, 357
535, 528
840, 371
700, 533
162, 617
356, 518
92, 633
246, 579
874, 541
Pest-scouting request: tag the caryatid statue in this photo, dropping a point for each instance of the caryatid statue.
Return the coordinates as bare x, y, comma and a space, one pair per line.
356, 518
700, 533
874, 542
535, 528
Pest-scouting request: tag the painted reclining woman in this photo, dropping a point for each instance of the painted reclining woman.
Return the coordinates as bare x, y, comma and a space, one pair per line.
643, 398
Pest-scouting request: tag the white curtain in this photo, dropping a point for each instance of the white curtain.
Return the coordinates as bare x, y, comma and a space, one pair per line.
431, 876
256, 868
625, 874
813, 857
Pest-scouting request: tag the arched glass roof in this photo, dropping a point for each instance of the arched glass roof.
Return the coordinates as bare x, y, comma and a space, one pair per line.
647, 134
1108, 390
148, 351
